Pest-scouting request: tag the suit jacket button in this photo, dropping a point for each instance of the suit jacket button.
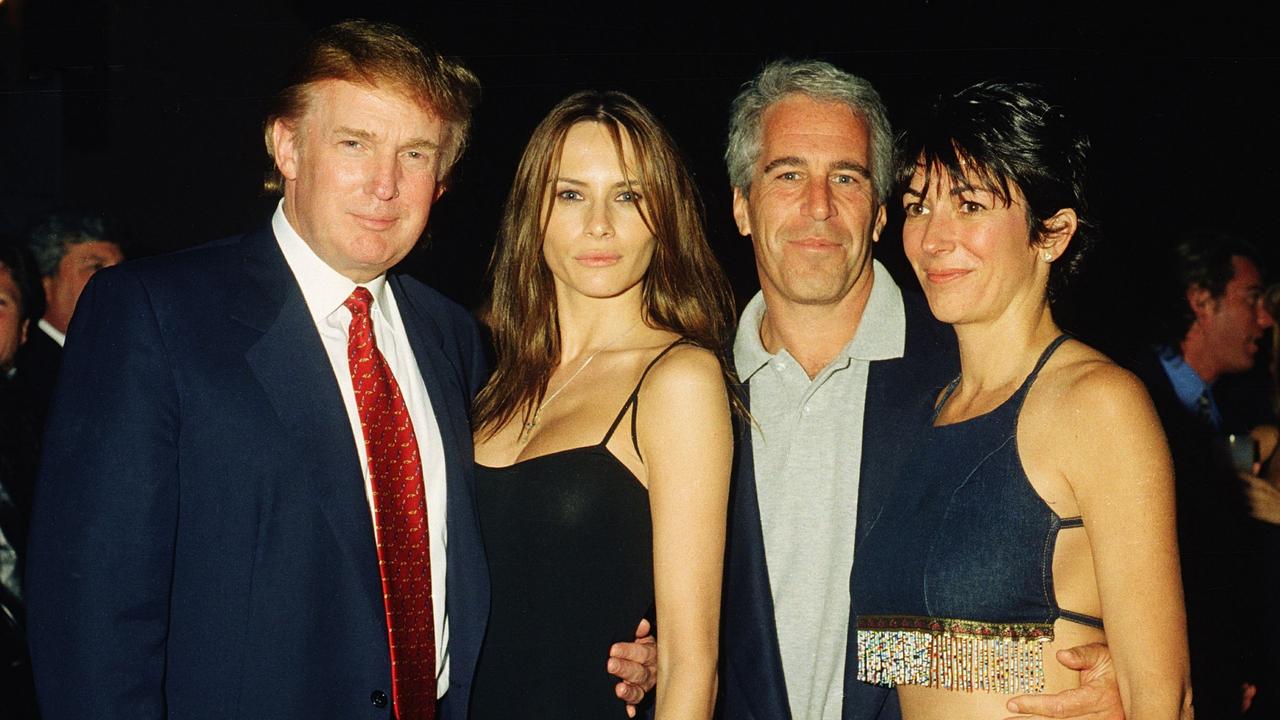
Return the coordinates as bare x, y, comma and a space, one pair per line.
378, 698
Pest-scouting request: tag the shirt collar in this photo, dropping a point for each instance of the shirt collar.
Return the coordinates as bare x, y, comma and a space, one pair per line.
881, 334
54, 333
323, 288
1187, 383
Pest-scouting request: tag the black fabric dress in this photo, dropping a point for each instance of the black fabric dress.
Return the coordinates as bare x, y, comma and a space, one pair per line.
570, 550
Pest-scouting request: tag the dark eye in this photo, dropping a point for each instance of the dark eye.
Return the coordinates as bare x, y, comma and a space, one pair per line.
914, 209
969, 207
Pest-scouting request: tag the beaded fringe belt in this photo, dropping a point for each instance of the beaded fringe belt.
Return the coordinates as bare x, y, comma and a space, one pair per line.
952, 654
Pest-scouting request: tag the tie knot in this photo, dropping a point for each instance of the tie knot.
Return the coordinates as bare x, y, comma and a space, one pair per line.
359, 301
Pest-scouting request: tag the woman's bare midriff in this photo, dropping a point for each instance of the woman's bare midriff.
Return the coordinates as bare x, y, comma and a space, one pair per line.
924, 703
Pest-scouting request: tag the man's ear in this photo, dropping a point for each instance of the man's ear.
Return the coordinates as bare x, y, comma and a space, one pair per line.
284, 146
22, 333
1057, 231
741, 212
1201, 301
882, 216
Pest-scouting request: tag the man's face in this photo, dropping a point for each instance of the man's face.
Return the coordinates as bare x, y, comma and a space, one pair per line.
62, 289
811, 211
1233, 322
13, 327
360, 172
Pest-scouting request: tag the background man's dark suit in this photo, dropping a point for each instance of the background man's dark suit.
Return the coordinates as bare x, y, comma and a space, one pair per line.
898, 393
38, 362
202, 546
1218, 571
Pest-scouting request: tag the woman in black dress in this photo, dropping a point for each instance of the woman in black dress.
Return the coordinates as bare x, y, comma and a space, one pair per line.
603, 439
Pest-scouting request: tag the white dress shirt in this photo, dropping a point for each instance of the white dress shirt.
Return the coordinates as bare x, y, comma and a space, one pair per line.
54, 333
325, 291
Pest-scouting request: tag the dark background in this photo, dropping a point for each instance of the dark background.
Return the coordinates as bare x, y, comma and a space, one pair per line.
151, 111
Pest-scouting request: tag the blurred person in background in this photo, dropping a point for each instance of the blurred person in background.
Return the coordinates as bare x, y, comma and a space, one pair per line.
69, 247
19, 450
1209, 324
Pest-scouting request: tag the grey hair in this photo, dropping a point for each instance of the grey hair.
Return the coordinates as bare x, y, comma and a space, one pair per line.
820, 81
50, 239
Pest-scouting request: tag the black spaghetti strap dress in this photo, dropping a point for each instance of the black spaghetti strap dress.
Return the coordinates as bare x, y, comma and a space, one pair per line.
570, 550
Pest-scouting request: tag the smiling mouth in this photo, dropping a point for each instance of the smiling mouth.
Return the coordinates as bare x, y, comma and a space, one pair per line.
815, 244
373, 222
942, 277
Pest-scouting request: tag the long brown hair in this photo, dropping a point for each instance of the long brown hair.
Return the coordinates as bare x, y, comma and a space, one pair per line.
684, 290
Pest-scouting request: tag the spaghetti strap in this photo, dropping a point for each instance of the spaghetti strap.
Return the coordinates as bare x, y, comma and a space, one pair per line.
634, 398
1019, 396
1044, 356
1081, 618
946, 395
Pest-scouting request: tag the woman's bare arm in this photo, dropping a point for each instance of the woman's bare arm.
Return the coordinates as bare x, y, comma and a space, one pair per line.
1112, 451
687, 446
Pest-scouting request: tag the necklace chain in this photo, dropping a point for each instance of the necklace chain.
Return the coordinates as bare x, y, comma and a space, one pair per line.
533, 420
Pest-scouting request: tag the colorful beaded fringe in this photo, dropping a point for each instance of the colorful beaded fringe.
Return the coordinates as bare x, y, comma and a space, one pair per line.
952, 654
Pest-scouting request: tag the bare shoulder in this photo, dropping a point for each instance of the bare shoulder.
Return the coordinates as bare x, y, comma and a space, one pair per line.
1085, 384
686, 370
1084, 404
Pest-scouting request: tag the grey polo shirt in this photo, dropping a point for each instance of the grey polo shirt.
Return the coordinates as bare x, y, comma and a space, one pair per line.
807, 449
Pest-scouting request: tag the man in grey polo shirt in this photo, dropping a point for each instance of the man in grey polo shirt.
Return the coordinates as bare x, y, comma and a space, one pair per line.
835, 359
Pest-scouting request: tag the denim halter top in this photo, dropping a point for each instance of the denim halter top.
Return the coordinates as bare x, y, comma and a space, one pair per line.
953, 582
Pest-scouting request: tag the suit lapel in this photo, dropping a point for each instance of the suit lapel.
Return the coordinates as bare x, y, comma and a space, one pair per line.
753, 658
467, 598
440, 374
290, 363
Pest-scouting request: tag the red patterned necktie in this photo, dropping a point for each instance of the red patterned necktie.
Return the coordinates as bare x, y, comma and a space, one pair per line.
400, 517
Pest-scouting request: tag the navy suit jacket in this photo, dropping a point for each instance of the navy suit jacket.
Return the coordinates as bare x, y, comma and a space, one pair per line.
751, 679
202, 546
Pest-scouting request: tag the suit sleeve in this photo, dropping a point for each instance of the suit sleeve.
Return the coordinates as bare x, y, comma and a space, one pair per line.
478, 365
103, 526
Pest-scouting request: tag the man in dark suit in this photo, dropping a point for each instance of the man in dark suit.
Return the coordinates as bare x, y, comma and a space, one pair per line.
1211, 324
840, 366
69, 247
257, 484
19, 447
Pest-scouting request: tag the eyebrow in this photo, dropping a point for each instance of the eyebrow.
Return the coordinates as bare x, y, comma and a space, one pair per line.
790, 160
580, 183
956, 189
412, 143
794, 161
852, 166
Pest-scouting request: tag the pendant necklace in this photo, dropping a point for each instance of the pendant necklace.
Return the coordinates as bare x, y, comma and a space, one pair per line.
533, 420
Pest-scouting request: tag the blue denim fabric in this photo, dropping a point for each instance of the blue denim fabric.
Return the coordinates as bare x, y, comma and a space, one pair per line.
964, 535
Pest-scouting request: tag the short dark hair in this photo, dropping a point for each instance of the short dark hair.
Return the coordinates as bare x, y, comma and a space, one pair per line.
50, 237
1008, 133
15, 260
371, 53
1201, 258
